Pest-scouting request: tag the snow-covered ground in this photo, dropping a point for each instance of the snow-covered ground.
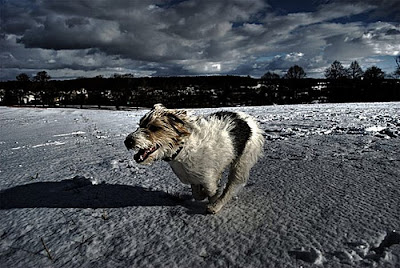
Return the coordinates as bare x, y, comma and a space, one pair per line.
326, 193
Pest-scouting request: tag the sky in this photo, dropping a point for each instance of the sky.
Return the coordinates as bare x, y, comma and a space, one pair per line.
86, 38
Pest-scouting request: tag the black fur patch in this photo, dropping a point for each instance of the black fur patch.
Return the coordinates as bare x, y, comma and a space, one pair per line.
240, 133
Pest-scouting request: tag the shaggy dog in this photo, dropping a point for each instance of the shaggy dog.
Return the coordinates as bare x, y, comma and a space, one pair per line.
199, 149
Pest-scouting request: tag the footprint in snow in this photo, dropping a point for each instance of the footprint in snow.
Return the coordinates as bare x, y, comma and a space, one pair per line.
313, 255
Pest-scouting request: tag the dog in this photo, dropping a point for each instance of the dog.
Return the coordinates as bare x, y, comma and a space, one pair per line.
200, 148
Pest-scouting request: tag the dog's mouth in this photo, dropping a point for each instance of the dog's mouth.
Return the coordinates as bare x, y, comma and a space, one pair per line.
143, 154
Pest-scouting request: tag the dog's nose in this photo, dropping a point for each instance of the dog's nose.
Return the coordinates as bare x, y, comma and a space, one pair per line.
129, 142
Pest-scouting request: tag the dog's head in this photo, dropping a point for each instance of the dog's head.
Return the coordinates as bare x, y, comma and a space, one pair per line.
160, 135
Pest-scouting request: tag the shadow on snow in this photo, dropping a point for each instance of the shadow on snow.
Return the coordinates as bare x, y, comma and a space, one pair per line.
79, 192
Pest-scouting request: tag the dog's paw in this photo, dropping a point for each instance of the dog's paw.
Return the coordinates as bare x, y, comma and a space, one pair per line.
213, 208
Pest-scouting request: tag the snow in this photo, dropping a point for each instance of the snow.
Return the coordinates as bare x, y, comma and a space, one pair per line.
70, 134
325, 194
48, 143
375, 129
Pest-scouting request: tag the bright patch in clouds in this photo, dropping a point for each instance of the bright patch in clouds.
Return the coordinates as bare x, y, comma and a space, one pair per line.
294, 56
216, 67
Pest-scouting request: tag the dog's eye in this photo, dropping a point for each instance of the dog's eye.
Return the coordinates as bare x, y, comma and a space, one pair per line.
153, 128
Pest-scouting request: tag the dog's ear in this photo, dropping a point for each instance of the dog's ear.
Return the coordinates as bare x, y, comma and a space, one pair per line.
159, 106
174, 119
177, 124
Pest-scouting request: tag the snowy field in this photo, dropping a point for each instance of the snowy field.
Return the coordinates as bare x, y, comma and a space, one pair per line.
326, 193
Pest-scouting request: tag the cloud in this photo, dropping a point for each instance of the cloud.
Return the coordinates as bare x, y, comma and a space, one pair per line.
82, 62
383, 38
294, 57
389, 9
59, 33
155, 37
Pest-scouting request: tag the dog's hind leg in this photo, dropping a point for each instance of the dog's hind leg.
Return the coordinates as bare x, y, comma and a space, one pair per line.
240, 169
238, 177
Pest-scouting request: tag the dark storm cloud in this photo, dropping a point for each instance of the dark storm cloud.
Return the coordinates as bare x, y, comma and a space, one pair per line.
193, 37
387, 9
59, 33
17, 17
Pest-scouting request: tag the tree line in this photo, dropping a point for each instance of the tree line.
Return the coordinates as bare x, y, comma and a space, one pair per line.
341, 85
337, 71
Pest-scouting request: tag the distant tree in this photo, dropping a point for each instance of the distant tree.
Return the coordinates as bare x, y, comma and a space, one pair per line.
295, 72
42, 92
374, 73
397, 72
22, 77
336, 71
270, 76
122, 76
23, 86
128, 76
355, 71
42, 77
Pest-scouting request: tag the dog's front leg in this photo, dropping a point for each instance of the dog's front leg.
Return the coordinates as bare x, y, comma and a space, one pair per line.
211, 190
